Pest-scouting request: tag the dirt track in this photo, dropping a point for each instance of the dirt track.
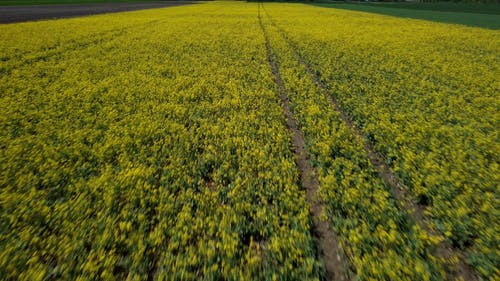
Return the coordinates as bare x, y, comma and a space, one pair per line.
10, 14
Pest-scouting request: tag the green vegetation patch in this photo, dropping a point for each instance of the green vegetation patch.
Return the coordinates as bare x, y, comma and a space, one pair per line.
471, 14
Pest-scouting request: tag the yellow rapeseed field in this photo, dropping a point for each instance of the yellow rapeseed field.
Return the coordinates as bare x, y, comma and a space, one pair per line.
427, 96
152, 145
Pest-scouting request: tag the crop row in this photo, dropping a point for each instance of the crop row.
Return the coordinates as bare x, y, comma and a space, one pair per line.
152, 145
426, 96
380, 241
156, 152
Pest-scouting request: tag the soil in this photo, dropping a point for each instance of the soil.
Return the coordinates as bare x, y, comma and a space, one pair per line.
12, 14
458, 270
327, 243
416, 211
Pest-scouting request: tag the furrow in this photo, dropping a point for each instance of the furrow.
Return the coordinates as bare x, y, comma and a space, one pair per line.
456, 270
326, 239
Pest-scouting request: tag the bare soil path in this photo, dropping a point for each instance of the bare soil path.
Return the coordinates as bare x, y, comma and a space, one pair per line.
456, 270
327, 242
11, 14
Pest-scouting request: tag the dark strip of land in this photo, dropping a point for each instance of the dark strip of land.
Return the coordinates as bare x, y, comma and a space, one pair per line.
10, 14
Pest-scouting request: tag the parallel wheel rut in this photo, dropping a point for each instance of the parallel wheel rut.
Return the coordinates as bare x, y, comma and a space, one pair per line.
459, 270
326, 239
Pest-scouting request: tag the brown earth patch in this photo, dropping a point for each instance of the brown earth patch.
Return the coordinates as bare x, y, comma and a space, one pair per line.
12, 14
455, 259
327, 241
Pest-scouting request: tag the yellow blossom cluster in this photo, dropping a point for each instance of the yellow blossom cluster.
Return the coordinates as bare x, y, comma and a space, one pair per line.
147, 146
379, 239
152, 145
426, 96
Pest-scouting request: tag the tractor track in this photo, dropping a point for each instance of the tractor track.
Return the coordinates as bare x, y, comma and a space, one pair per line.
327, 243
455, 270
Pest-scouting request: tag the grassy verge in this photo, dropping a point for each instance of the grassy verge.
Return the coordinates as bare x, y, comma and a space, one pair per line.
477, 8
477, 15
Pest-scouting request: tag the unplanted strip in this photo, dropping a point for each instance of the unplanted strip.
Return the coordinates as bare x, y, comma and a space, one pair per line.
327, 240
459, 270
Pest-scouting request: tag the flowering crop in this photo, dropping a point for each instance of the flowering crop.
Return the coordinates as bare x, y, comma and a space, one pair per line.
426, 95
379, 240
147, 145
152, 145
